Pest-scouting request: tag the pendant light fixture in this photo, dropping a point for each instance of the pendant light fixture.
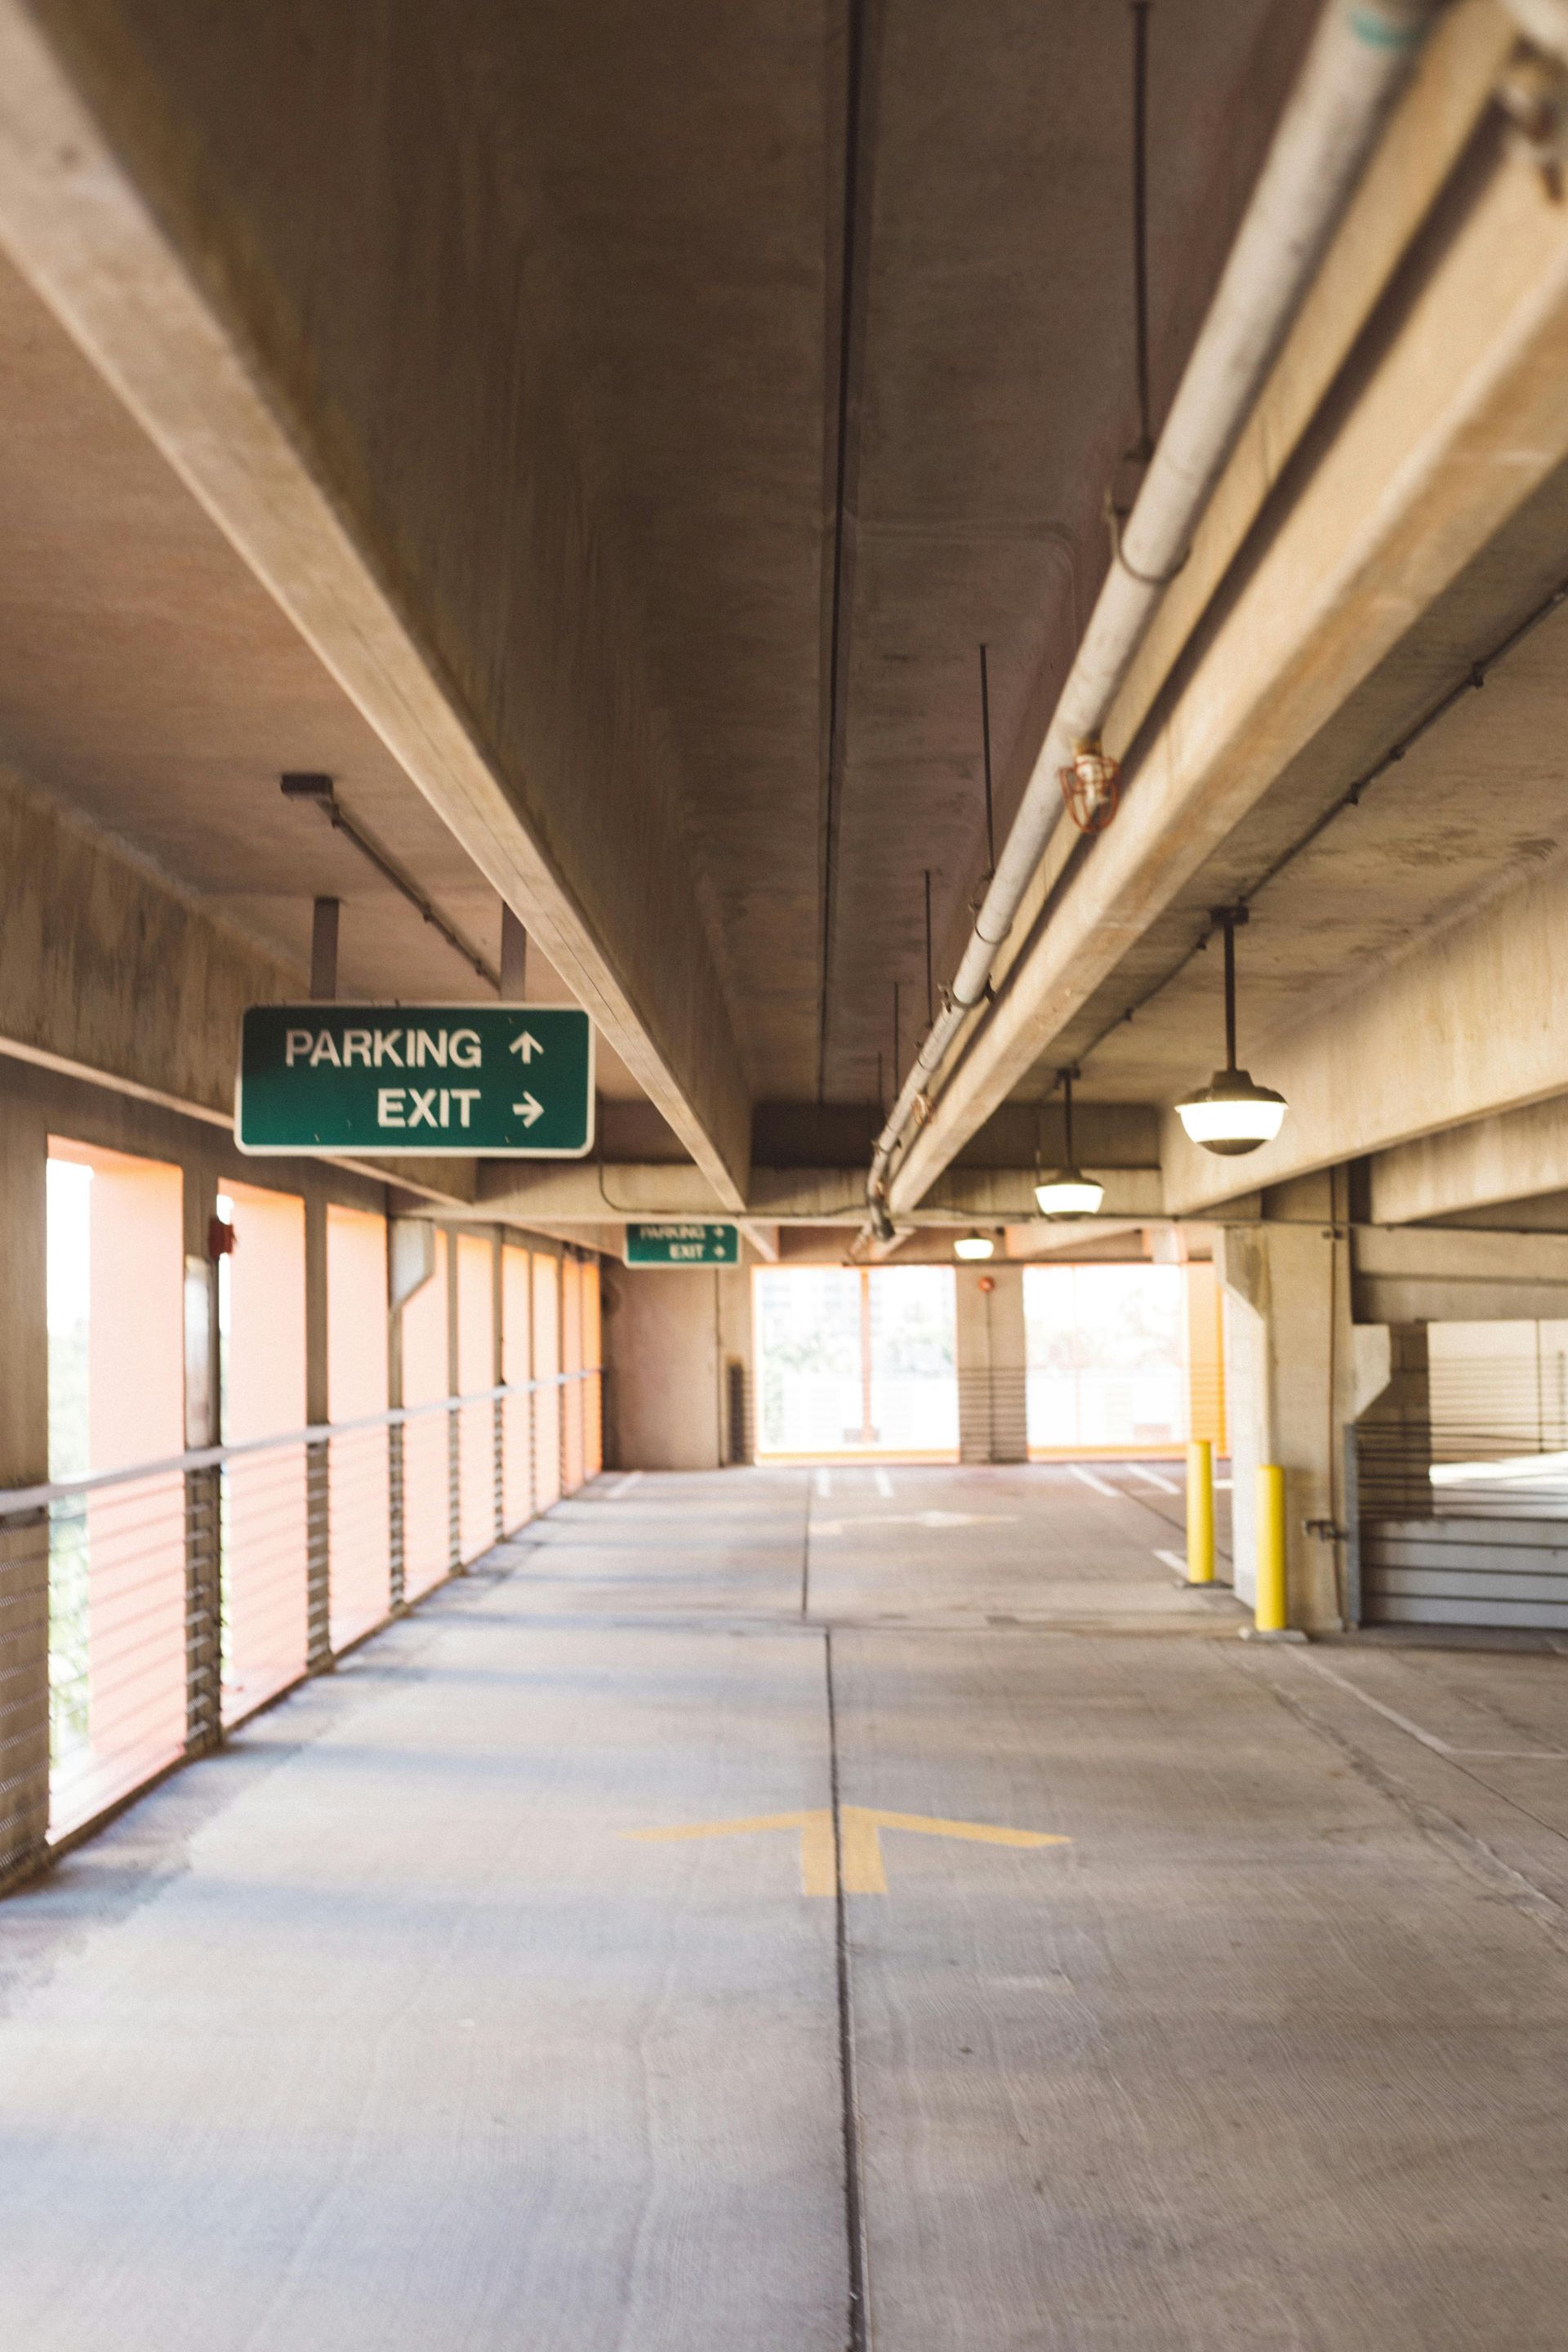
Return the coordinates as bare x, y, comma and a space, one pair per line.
973, 1245
1070, 1192
1231, 1114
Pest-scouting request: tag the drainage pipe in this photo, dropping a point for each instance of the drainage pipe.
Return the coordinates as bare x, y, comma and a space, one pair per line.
1360, 57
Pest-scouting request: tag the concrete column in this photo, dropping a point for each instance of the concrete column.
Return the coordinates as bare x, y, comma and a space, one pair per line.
1290, 1382
24, 1462
993, 1364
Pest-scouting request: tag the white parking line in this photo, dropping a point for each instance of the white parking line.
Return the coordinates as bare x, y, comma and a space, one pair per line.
884, 1484
1430, 1738
1154, 1478
1091, 1478
624, 1486
1174, 1559
825, 1484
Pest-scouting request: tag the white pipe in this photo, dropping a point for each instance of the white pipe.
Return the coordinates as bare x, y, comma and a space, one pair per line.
1359, 60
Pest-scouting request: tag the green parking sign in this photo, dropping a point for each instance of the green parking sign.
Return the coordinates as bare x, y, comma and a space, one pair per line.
683, 1242
504, 1081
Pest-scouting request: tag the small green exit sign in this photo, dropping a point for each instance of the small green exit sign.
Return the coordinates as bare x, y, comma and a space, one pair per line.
683, 1242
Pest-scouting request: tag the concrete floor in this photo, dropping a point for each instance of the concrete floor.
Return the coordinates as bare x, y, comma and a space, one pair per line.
389, 2028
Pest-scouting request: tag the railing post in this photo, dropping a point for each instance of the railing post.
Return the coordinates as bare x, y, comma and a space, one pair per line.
498, 1373
453, 1420
1352, 1525
204, 1494
23, 1691
395, 1551
24, 1461
318, 1464
394, 1479
318, 1556
204, 1611
453, 1488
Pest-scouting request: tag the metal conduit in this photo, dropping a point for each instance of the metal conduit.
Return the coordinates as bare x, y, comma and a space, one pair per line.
1361, 57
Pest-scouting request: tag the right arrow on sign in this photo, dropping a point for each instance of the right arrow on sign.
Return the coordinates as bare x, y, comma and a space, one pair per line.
528, 1110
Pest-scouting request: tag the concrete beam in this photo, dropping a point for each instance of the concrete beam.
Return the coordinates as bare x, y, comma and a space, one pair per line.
564, 1191
264, 312
1418, 1274
1075, 1238
1461, 421
1516, 1155
109, 974
1424, 1051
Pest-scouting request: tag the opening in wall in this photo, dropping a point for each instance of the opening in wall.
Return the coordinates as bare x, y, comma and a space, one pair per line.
117, 1555
1122, 1359
854, 1361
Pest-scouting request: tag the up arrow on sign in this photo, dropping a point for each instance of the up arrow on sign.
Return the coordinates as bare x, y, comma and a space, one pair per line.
527, 1045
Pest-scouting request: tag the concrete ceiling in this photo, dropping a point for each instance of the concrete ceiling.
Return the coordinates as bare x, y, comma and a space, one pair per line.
1469, 812
150, 683
844, 348
838, 441
831, 321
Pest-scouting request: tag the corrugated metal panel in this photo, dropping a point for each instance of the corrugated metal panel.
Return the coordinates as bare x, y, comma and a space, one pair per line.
1465, 1571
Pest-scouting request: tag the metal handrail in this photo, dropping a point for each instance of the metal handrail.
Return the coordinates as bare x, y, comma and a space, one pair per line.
16, 1500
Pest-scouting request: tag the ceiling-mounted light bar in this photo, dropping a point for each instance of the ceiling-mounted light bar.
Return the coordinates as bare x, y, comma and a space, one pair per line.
1070, 1192
1232, 1115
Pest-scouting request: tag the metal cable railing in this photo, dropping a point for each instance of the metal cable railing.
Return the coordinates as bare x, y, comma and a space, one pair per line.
173, 1598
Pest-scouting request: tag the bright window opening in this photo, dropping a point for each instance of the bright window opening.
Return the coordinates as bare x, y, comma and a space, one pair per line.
855, 1360
1122, 1358
117, 1555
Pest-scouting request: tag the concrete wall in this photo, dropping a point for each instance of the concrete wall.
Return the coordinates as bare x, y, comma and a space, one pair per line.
668, 1336
352, 215
993, 1363
36, 1103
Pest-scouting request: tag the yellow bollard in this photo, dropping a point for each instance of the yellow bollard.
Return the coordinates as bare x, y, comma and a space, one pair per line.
1269, 1613
1200, 1511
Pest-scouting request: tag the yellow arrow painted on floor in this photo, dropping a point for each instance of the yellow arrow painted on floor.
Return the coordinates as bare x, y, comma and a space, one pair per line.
859, 1842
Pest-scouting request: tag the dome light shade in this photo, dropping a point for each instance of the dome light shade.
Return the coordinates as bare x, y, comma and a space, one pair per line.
1231, 1114
1068, 1193
973, 1245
